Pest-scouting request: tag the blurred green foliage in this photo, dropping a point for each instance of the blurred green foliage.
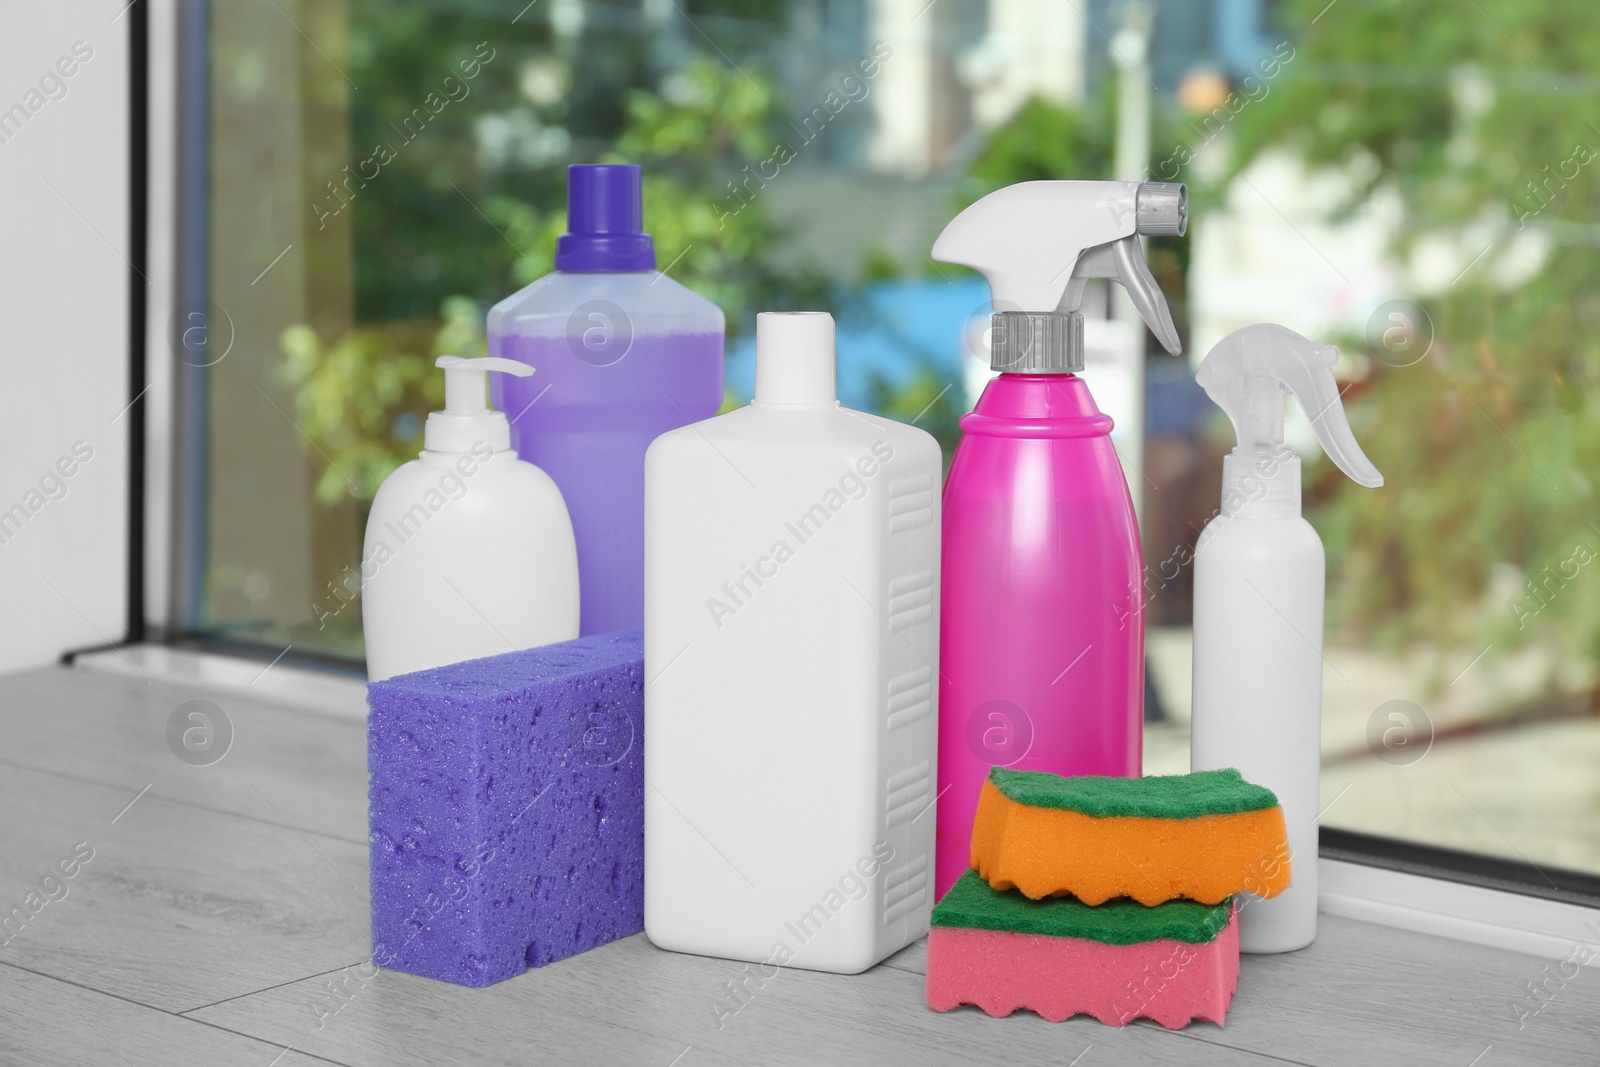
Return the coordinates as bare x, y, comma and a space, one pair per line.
691, 137
1479, 120
1045, 141
436, 226
359, 398
506, 126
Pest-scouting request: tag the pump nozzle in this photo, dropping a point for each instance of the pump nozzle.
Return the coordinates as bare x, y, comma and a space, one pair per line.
467, 418
1038, 242
1246, 374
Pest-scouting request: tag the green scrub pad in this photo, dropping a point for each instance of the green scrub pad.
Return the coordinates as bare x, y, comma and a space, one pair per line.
1178, 796
971, 903
1121, 961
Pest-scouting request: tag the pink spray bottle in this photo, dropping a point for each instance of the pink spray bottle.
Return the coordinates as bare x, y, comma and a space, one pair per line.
1042, 628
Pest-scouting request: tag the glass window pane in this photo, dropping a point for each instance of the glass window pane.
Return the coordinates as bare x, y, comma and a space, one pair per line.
380, 173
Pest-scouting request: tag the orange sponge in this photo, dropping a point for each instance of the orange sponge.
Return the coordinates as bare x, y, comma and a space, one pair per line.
1204, 836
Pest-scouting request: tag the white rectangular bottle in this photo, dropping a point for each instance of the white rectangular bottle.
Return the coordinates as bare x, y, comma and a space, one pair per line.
791, 669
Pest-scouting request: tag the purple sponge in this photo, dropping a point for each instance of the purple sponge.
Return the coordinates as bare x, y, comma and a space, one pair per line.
506, 802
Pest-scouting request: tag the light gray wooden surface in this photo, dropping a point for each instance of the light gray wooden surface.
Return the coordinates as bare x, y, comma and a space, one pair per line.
222, 919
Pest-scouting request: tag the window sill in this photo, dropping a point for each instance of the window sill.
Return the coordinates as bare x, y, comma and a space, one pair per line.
1424, 904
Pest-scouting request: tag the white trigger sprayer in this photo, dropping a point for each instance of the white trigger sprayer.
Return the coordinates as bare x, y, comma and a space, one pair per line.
1247, 374
1037, 243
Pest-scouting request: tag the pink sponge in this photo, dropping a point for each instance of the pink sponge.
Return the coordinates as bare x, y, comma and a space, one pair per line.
1059, 957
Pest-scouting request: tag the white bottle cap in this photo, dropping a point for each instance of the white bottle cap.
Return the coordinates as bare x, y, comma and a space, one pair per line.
467, 418
794, 358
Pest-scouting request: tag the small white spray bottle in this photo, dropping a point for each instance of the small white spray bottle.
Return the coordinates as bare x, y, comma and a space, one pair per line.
1259, 581
469, 550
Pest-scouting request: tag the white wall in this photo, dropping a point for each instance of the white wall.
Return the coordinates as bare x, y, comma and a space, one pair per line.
63, 328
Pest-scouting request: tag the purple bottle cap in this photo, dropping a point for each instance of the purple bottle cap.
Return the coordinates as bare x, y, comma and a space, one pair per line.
605, 221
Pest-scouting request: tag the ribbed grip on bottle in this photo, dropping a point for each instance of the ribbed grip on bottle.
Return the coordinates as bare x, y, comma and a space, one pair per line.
1024, 342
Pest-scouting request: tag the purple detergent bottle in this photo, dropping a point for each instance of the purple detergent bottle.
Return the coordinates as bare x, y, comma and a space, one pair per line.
621, 353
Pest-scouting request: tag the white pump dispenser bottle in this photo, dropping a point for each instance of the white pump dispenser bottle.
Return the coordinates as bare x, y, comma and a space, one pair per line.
1259, 581
469, 550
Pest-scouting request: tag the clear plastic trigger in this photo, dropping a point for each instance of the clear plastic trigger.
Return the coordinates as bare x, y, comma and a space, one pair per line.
1245, 373
1317, 392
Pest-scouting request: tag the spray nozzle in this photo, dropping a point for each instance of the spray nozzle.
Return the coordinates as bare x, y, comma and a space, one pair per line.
1037, 243
1248, 372
467, 418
